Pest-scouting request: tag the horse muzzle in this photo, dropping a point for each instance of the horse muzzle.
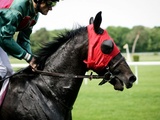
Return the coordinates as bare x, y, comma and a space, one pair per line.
132, 79
119, 83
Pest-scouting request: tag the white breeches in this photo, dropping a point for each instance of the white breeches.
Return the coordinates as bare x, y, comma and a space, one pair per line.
5, 66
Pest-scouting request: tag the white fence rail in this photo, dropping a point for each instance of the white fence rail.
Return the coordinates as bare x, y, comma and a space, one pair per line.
143, 63
19, 65
135, 64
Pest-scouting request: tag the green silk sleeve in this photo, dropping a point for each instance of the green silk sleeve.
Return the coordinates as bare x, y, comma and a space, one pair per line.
23, 39
9, 21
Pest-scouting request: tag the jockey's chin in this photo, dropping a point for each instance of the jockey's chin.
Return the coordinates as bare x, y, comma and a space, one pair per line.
44, 12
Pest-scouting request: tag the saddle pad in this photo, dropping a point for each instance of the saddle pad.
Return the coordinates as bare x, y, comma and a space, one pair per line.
3, 90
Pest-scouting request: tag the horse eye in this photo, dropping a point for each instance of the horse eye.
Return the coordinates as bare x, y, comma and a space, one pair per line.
116, 72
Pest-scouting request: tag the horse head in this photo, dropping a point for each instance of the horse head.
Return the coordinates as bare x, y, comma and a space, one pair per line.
105, 58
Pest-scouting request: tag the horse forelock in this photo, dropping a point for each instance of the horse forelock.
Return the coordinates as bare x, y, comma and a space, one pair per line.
47, 49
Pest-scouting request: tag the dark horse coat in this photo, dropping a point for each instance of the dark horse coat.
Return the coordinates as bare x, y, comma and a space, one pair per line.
34, 96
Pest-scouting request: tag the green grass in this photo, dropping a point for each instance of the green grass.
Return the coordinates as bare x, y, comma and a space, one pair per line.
141, 102
14, 60
149, 57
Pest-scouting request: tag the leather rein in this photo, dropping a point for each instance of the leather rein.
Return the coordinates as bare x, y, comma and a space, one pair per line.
62, 75
91, 76
54, 74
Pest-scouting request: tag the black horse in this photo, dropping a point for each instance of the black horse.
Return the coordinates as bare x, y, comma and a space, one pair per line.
50, 93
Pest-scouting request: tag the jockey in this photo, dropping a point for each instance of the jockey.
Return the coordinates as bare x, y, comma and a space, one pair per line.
19, 16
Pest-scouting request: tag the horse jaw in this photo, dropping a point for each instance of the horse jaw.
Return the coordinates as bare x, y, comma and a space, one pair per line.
122, 74
118, 84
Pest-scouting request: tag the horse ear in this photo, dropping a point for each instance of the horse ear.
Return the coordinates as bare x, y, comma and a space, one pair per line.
91, 20
107, 46
97, 23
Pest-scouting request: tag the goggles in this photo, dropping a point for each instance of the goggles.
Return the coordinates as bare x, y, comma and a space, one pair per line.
51, 4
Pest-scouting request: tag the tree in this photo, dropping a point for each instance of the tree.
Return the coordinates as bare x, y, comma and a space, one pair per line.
154, 43
119, 35
38, 38
142, 42
148, 38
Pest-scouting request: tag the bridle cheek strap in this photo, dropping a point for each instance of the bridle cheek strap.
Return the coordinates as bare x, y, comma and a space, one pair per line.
96, 59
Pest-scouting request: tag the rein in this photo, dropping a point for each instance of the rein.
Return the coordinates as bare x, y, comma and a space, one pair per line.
108, 76
91, 76
54, 74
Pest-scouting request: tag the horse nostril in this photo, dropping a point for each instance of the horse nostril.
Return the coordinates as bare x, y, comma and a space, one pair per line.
132, 79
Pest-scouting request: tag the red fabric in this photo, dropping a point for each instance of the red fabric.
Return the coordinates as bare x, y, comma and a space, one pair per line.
5, 3
96, 59
26, 23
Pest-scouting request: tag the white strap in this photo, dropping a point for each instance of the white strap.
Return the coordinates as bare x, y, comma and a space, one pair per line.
3, 90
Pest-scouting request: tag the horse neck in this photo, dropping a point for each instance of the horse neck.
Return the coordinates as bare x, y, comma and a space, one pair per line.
68, 59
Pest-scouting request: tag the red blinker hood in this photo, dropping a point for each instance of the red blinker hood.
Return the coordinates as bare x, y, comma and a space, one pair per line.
96, 59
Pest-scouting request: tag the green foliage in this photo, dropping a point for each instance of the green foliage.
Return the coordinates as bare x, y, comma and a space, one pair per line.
148, 37
143, 38
155, 39
119, 35
43, 36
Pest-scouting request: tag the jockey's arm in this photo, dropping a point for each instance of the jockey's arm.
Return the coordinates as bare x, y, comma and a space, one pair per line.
23, 39
9, 24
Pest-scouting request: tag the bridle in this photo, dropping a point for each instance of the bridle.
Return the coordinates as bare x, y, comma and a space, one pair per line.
117, 63
91, 76
62, 75
108, 76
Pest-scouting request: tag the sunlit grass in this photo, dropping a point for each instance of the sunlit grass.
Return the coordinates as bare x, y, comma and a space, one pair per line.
14, 60
142, 102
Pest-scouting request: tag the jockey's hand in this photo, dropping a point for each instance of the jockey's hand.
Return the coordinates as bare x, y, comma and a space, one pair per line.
33, 64
31, 60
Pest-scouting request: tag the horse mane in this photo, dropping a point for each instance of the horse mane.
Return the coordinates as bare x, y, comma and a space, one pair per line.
47, 49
